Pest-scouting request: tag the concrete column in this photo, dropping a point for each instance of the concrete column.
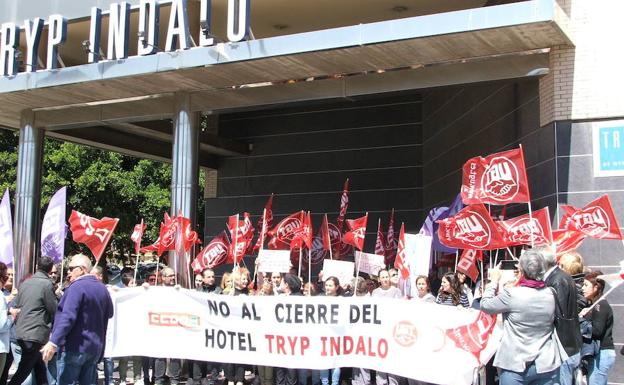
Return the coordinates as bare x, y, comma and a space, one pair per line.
185, 173
27, 197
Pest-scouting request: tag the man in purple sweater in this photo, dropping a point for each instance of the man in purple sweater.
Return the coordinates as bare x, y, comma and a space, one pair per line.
79, 330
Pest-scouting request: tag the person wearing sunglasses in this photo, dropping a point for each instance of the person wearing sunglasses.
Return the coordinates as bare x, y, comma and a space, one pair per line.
80, 324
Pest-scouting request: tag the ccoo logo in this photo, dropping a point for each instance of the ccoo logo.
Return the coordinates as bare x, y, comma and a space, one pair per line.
500, 179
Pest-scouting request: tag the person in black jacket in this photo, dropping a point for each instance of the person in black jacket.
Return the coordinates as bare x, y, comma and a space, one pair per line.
37, 304
569, 332
601, 317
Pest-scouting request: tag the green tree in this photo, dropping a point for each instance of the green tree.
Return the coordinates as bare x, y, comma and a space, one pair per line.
100, 183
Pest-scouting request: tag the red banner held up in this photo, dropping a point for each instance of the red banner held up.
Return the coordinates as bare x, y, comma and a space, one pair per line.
596, 220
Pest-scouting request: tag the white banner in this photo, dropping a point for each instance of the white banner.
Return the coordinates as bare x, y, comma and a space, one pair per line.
428, 342
369, 263
274, 261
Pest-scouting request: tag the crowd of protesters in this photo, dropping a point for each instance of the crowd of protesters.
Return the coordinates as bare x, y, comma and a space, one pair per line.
554, 332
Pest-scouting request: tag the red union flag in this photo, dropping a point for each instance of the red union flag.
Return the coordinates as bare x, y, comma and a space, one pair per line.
399, 261
567, 240
283, 233
595, 220
380, 247
527, 230
496, 179
303, 234
468, 263
344, 203
137, 235
213, 255
241, 233
94, 233
265, 222
471, 228
188, 237
357, 232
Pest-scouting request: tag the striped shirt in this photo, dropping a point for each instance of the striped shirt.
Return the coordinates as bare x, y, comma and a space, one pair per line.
446, 299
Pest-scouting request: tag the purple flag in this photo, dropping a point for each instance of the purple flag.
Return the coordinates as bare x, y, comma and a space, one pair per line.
430, 227
6, 230
54, 229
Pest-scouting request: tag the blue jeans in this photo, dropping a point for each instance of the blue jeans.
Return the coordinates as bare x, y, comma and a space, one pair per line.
528, 377
335, 376
51, 366
77, 367
108, 370
568, 369
599, 367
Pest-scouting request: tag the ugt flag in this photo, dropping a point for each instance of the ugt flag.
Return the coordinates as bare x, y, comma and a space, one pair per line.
471, 228
596, 220
496, 179
53, 228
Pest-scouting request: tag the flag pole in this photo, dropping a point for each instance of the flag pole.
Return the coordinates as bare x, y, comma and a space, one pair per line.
601, 298
235, 266
300, 261
357, 266
255, 277
309, 272
328, 237
136, 266
456, 258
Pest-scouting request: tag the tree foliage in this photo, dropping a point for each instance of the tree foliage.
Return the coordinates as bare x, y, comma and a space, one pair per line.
100, 183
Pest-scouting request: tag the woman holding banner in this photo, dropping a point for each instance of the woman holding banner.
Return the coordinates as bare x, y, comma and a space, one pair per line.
388, 291
530, 352
601, 317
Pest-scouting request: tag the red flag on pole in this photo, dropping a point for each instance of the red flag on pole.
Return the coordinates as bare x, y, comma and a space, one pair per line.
325, 234
390, 242
468, 263
380, 247
241, 233
137, 235
188, 237
496, 179
344, 203
213, 255
471, 228
567, 240
303, 234
400, 261
528, 229
264, 223
357, 232
282, 234
94, 233
596, 220
167, 234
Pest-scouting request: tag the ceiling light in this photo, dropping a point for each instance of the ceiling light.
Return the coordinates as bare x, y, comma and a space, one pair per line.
280, 27
399, 8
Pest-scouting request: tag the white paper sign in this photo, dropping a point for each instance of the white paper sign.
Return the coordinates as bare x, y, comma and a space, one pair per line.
418, 253
274, 261
343, 270
369, 263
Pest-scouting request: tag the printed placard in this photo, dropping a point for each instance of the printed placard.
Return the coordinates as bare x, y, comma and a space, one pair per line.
270, 261
369, 263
